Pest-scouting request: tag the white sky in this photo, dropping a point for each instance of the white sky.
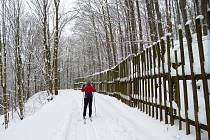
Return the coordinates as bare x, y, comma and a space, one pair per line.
68, 6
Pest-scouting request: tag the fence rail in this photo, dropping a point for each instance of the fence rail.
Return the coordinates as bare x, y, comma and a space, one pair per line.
169, 81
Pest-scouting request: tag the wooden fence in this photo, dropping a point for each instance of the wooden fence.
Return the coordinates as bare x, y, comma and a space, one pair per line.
168, 81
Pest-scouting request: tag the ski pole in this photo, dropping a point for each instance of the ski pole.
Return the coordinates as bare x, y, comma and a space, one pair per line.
94, 103
83, 100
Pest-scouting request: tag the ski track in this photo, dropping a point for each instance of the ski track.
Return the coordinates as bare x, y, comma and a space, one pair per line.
111, 121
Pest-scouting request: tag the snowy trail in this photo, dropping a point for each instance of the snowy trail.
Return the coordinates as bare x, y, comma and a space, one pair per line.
61, 119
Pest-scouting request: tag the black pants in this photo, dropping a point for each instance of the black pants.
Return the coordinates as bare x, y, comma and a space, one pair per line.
87, 102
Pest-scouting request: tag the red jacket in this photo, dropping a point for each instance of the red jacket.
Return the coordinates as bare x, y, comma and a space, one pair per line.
88, 89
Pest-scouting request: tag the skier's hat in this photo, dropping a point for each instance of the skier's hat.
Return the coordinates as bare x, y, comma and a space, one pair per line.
88, 82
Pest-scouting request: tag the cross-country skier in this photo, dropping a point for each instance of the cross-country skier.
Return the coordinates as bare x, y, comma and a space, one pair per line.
88, 98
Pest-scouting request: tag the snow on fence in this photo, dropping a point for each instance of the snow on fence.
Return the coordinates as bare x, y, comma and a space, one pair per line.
169, 81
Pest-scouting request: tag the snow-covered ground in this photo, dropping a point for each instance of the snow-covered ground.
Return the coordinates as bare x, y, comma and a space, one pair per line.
61, 119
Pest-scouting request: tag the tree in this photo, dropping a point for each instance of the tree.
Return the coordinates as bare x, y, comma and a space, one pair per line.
56, 43
47, 53
19, 72
204, 5
112, 42
3, 64
150, 12
159, 22
140, 26
182, 4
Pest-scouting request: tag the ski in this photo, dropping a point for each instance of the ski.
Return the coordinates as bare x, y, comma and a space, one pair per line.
91, 119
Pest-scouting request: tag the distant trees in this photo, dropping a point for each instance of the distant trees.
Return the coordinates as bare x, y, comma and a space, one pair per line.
29, 51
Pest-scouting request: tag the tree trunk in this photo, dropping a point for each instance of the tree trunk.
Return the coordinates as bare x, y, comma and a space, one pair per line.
204, 7
132, 26
3, 64
197, 7
168, 16
108, 47
140, 26
182, 4
151, 20
127, 29
160, 28
56, 42
177, 12
47, 55
112, 42
97, 45
120, 31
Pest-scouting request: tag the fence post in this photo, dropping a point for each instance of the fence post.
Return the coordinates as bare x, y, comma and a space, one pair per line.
203, 73
162, 43
143, 78
148, 83
154, 69
195, 98
152, 77
170, 87
177, 89
184, 80
138, 79
208, 20
141, 81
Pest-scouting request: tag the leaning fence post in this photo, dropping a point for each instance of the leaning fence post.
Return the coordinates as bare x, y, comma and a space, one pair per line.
195, 96
162, 43
177, 89
184, 80
170, 87
203, 73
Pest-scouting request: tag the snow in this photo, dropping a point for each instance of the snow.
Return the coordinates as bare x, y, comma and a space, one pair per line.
188, 22
61, 119
201, 17
180, 26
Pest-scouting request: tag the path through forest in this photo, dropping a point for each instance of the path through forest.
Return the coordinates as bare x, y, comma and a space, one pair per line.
61, 119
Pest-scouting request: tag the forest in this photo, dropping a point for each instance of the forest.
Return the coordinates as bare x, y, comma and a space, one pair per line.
38, 52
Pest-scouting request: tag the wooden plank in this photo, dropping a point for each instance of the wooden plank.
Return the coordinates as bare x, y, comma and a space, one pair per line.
143, 79
177, 91
139, 88
152, 84
155, 79
148, 81
170, 86
140, 80
184, 81
195, 96
203, 73
163, 50
132, 74
208, 20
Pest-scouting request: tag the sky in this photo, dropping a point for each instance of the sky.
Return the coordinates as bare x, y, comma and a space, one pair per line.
68, 6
